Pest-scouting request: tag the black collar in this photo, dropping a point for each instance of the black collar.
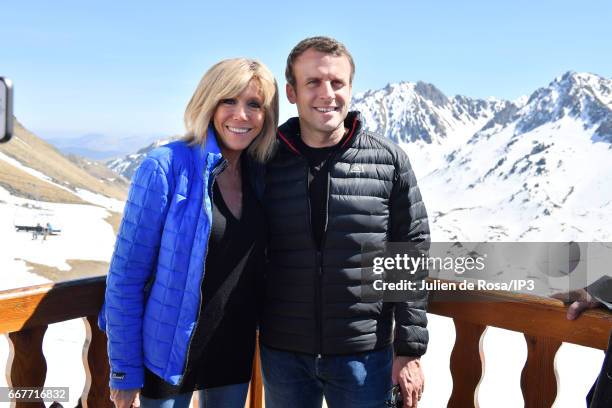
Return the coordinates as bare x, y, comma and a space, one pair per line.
289, 132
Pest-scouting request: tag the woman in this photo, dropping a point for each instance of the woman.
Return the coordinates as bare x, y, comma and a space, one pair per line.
180, 308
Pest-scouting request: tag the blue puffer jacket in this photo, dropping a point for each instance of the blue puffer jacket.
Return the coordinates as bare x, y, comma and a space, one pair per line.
153, 288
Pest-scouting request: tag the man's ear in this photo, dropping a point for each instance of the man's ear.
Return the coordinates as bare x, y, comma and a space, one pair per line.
290, 93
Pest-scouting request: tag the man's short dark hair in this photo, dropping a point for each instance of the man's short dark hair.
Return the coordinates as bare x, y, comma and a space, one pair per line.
322, 44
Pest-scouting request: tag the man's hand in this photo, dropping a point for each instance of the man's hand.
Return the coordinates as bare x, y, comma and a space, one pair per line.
125, 398
408, 374
581, 299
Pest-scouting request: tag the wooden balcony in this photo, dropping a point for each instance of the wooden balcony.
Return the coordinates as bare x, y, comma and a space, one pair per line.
26, 313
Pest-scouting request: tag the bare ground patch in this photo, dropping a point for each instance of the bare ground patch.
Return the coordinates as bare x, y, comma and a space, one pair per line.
22, 184
80, 269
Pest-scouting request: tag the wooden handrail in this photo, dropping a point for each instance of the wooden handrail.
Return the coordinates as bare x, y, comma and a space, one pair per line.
35, 306
39, 305
26, 312
532, 315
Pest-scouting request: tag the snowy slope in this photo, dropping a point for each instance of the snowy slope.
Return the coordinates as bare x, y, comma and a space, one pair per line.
551, 183
85, 235
543, 173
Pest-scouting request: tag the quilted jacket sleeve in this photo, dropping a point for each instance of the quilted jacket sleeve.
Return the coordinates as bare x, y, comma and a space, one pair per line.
132, 265
409, 225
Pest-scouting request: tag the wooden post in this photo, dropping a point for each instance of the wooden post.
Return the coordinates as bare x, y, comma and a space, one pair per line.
539, 379
467, 364
97, 371
26, 365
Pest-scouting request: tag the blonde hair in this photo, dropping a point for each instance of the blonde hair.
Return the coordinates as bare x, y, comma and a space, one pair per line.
228, 79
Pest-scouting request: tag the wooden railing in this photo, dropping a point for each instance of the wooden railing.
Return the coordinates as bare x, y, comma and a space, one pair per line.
541, 320
26, 313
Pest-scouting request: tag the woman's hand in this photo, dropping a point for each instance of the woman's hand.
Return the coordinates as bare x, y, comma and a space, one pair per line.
125, 398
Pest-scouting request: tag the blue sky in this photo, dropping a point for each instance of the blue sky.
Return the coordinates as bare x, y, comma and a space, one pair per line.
129, 68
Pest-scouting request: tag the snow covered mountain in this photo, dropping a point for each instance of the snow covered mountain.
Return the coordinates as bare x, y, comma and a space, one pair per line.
126, 166
497, 170
411, 112
421, 118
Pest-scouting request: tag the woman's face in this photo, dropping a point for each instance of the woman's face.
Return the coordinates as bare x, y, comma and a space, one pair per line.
240, 119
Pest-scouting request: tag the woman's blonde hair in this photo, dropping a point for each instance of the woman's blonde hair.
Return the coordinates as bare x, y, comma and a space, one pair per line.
228, 79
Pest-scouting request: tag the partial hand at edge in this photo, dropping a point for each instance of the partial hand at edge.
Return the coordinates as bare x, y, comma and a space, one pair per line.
581, 299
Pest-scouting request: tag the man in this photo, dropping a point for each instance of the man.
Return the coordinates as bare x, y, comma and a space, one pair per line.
331, 188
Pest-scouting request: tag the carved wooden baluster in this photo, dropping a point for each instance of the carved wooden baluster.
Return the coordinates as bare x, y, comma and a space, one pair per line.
539, 379
26, 365
466, 364
95, 360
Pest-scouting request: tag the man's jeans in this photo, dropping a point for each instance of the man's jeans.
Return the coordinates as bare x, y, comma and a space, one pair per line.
228, 396
300, 381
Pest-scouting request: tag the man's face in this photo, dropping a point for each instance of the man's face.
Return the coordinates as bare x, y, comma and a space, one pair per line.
322, 92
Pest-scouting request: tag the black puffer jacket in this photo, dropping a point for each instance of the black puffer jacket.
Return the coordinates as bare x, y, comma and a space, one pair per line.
313, 300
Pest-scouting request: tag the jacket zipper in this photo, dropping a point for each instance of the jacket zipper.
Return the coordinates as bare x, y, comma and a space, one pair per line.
215, 172
318, 273
319, 276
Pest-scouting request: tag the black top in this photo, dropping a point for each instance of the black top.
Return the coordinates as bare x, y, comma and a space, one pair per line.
221, 352
318, 158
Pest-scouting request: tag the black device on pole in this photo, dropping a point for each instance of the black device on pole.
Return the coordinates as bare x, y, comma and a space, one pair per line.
6, 109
